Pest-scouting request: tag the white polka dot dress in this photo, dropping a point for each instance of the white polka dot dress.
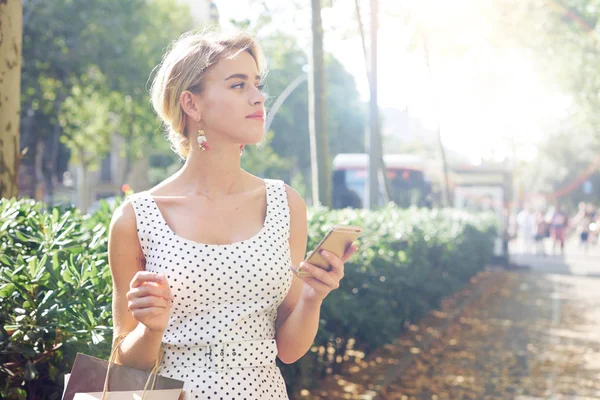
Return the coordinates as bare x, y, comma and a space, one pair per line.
221, 335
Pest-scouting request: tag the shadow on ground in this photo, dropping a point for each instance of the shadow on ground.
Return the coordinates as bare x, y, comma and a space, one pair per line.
526, 334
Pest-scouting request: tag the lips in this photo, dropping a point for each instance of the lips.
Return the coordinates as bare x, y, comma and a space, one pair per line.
259, 115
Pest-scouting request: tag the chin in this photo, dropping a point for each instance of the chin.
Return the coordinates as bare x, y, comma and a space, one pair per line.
254, 138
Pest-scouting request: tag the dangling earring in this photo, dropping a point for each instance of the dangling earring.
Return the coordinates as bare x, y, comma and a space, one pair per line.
202, 140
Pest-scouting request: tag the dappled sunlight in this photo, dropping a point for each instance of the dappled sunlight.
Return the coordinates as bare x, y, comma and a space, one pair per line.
505, 344
463, 137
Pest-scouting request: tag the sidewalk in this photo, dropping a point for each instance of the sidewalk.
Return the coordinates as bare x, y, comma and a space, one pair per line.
530, 335
540, 339
574, 261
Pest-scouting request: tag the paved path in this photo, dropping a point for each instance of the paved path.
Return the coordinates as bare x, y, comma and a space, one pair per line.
539, 338
574, 262
534, 334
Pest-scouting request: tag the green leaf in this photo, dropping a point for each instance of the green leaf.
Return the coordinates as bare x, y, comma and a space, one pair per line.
97, 337
6, 261
48, 296
6, 290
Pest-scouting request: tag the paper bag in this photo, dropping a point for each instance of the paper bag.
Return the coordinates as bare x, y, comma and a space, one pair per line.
132, 395
91, 377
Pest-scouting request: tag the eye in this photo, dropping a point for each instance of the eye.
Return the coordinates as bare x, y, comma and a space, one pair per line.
260, 87
240, 85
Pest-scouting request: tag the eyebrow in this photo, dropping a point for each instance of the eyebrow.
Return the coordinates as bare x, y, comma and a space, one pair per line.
241, 76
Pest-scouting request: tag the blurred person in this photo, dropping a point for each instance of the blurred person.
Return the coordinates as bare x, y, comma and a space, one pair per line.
559, 223
526, 225
595, 230
206, 263
582, 223
541, 229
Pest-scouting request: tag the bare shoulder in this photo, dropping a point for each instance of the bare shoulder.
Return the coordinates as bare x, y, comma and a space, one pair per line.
123, 220
123, 239
295, 201
125, 258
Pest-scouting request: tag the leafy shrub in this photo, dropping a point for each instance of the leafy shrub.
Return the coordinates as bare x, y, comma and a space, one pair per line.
55, 294
409, 260
55, 286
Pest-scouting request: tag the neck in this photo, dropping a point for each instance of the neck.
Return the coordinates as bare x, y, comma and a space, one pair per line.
213, 173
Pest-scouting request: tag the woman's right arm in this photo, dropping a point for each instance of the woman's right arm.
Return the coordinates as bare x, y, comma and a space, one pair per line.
141, 300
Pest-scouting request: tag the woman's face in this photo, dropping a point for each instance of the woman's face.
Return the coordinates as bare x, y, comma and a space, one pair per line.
232, 104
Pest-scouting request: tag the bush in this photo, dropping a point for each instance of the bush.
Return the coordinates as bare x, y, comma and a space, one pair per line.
55, 295
55, 286
409, 260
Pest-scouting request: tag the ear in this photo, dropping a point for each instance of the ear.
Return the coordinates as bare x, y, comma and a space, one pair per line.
190, 104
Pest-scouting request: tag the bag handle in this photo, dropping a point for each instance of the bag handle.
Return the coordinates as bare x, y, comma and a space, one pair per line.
113, 355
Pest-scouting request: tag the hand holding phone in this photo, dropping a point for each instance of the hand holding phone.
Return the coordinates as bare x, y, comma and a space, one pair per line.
337, 241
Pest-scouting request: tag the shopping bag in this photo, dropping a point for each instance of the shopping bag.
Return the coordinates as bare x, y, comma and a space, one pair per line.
94, 378
132, 395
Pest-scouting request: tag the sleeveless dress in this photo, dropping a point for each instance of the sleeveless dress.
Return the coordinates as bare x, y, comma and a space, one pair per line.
220, 338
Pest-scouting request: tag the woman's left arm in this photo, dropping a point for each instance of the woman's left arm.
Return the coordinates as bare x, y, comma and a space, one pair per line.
298, 315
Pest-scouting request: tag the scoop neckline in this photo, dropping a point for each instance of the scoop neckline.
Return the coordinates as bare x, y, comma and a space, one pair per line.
208, 245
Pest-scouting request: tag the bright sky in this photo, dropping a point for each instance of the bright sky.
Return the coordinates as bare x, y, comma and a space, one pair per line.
488, 96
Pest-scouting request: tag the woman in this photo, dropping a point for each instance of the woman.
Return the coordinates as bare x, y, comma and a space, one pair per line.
203, 262
558, 228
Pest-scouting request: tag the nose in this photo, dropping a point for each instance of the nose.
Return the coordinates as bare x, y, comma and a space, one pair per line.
258, 97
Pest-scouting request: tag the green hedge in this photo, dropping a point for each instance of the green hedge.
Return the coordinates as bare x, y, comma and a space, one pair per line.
409, 260
55, 287
55, 295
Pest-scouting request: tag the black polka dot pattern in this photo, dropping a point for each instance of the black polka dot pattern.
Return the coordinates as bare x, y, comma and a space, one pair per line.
221, 335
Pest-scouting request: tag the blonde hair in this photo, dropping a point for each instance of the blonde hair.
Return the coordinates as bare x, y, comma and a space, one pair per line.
182, 68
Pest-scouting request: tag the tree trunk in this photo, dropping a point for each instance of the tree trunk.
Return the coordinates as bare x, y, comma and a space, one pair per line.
28, 149
374, 109
11, 34
317, 120
49, 163
375, 156
446, 196
83, 196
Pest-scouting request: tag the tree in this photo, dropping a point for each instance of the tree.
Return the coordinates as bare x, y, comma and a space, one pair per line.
345, 117
11, 28
317, 127
123, 40
346, 120
285, 151
87, 124
287, 62
376, 163
563, 37
263, 161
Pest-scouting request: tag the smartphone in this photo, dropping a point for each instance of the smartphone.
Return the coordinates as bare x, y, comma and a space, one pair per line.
337, 241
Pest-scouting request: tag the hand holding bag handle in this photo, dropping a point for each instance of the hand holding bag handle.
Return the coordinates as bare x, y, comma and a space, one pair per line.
113, 356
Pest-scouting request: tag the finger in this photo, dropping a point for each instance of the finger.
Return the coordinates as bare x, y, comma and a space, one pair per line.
148, 302
145, 313
319, 287
150, 290
299, 273
142, 277
302, 272
328, 278
349, 253
336, 263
